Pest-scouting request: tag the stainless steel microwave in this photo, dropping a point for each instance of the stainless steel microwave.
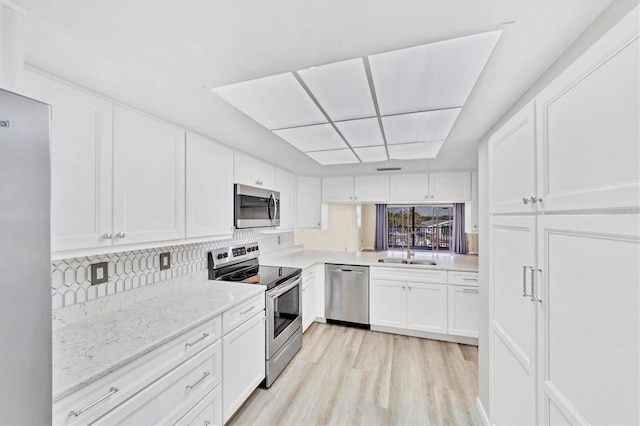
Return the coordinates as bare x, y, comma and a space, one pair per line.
255, 207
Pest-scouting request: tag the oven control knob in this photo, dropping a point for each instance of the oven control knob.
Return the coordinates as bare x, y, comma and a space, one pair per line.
226, 255
255, 248
220, 256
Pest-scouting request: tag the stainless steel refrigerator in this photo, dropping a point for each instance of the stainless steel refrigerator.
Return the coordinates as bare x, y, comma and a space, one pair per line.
25, 261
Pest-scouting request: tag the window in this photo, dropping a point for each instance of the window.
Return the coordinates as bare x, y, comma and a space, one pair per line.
427, 227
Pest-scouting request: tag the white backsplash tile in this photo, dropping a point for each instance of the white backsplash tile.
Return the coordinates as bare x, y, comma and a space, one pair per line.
71, 278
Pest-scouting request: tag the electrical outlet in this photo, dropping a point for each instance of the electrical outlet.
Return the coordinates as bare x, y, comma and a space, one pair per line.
99, 273
165, 261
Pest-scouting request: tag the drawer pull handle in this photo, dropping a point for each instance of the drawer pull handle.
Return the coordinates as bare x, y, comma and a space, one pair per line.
207, 423
204, 376
77, 413
469, 279
470, 290
204, 336
248, 310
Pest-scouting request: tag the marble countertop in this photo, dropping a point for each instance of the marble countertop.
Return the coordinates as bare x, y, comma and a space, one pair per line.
300, 258
94, 338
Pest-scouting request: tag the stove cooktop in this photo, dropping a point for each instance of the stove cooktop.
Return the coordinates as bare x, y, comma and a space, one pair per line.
269, 276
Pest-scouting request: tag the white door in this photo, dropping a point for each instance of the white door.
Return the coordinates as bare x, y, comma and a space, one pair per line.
149, 179
427, 307
590, 290
409, 188
209, 188
512, 165
250, 171
286, 186
513, 320
589, 127
387, 303
81, 163
371, 189
337, 189
309, 204
450, 186
243, 355
463, 311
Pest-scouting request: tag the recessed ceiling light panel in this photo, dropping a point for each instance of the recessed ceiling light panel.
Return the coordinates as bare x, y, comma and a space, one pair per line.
338, 156
415, 151
432, 76
312, 138
419, 126
365, 132
275, 102
341, 88
372, 154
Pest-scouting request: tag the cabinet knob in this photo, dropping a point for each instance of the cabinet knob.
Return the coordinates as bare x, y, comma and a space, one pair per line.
108, 236
525, 200
426, 196
431, 196
121, 235
534, 199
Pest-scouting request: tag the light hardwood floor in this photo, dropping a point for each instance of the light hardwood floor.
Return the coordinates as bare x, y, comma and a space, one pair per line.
349, 376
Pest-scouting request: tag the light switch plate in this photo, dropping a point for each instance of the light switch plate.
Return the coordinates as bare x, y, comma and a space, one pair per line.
165, 261
99, 273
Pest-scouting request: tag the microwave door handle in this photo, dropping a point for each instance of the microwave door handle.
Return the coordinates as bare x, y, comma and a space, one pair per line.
271, 199
276, 204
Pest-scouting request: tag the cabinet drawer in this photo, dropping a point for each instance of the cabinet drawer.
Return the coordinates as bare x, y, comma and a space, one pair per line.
134, 376
206, 412
409, 274
308, 274
463, 278
174, 394
241, 313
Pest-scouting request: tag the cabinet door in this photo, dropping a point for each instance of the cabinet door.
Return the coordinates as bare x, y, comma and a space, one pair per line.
206, 412
81, 163
513, 320
471, 207
588, 127
589, 314
209, 192
512, 164
309, 211
337, 189
409, 188
427, 307
387, 303
149, 179
253, 172
450, 186
371, 189
308, 303
286, 186
463, 311
243, 363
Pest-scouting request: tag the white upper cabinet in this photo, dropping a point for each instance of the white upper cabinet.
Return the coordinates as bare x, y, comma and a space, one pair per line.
512, 165
149, 179
370, 189
209, 188
253, 172
81, 166
409, 188
358, 189
450, 186
588, 127
337, 189
309, 202
286, 186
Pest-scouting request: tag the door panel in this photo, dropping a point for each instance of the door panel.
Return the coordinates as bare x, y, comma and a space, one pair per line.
388, 303
513, 320
590, 316
427, 307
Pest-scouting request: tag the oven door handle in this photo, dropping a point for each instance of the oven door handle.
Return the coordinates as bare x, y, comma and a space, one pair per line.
284, 287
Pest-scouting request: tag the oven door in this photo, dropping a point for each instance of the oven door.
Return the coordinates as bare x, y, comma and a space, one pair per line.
284, 315
255, 207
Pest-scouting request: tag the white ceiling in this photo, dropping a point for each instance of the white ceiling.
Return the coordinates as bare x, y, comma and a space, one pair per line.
160, 56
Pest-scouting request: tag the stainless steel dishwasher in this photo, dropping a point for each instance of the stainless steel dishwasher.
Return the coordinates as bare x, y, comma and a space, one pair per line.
346, 297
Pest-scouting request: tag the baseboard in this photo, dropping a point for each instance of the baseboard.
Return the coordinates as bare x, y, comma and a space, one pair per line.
427, 335
481, 412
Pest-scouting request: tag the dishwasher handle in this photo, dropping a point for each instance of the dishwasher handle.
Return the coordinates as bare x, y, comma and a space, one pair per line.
347, 270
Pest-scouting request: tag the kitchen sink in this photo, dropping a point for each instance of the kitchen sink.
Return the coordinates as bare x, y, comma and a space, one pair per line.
407, 261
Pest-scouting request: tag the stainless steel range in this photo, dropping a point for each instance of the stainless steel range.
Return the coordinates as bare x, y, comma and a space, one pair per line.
283, 300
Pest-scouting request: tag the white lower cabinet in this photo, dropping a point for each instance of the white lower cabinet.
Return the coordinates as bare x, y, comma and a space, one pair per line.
172, 396
309, 286
207, 412
427, 307
387, 302
463, 311
243, 363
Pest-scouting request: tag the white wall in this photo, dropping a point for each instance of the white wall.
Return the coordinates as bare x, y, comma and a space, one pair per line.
341, 233
599, 27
